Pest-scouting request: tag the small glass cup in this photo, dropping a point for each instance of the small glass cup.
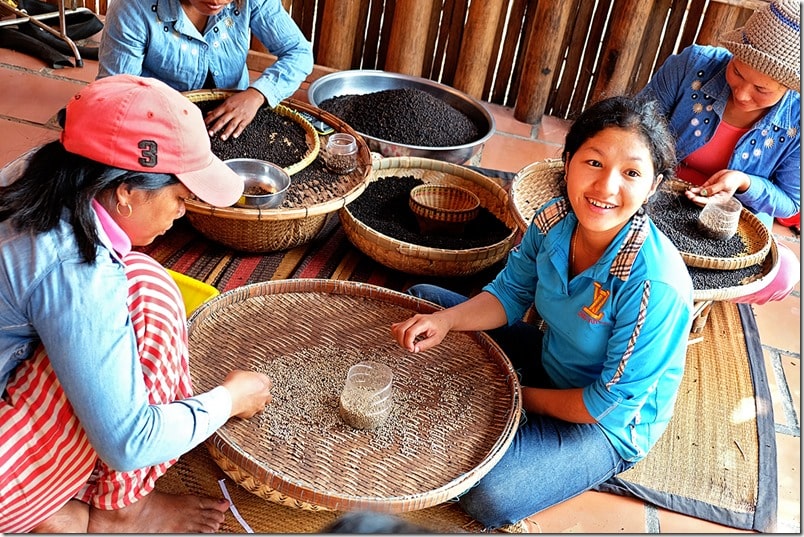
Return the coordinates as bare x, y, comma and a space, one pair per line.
719, 218
367, 395
340, 153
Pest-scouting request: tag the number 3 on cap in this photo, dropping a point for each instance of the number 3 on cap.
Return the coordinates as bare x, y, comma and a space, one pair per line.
148, 158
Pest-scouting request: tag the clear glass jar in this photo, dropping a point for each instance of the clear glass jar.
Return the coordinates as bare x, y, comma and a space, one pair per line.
340, 153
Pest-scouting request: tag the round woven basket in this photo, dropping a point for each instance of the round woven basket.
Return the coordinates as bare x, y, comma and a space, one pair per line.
422, 260
313, 142
770, 265
336, 467
269, 230
539, 182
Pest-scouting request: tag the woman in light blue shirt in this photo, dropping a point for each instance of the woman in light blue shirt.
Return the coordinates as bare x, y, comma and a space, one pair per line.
197, 44
97, 402
598, 387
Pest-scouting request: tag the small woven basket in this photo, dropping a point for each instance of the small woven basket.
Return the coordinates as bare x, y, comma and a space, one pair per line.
313, 142
422, 260
268, 230
539, 182
335, 467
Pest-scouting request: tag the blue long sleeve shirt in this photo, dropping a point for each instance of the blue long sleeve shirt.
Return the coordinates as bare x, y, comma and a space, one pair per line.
618, 330
155, 38
692, 90
79, 312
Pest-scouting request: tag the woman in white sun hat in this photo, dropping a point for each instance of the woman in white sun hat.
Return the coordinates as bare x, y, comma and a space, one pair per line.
736, 112
97, 402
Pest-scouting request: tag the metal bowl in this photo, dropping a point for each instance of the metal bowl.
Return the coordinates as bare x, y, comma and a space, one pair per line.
260, 176
360, 82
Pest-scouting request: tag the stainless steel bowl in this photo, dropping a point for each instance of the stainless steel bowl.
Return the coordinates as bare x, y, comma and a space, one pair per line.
360, 82
260, 175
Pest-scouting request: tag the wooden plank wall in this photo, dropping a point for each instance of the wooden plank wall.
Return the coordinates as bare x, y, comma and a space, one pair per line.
537, 56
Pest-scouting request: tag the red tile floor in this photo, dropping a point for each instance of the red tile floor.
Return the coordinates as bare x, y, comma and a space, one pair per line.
32, 93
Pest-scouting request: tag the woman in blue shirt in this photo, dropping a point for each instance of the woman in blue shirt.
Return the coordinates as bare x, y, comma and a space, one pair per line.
198, 44
736, 112
97, 402
600, 384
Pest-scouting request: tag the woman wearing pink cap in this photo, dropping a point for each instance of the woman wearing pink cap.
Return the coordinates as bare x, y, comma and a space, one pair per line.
736, 112
97, 402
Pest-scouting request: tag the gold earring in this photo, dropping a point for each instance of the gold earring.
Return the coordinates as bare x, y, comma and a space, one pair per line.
117, 208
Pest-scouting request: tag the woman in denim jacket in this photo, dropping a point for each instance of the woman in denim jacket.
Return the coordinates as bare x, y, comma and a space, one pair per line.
736, 112
203, 44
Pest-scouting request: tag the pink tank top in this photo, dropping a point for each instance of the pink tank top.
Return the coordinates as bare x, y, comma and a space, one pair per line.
712, 156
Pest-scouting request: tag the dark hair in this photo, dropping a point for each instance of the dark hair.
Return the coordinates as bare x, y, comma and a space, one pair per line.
641, 116
54, 180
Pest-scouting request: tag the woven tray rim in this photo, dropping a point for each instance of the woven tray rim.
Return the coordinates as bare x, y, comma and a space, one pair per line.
770, 266
304, 496
317, 209
751, 228
424, 260
203, 95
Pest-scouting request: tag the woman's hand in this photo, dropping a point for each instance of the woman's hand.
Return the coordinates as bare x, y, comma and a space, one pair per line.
724, 183
421, 332
250, 391
234, 114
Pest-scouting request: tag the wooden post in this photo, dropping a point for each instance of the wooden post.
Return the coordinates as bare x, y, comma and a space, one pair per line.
338, 27
541, 58
719, 19
476, 46
622, 48
408, 39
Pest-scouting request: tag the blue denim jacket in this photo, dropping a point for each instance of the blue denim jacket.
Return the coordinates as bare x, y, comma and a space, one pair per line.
79, 312
155, 38
692, 90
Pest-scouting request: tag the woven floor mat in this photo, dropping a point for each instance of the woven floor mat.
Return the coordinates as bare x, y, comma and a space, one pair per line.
197, 473
717, 459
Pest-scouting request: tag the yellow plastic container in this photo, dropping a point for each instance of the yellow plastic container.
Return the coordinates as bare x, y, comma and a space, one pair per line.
194, 292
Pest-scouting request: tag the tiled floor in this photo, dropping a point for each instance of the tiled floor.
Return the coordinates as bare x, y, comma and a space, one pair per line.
32, 93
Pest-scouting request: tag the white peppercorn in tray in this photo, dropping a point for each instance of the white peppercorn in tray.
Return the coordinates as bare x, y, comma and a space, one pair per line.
456, 407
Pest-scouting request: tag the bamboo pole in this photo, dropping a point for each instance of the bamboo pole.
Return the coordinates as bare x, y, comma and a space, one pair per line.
541, 58
338, 28
476, 46
622, 48
408, 40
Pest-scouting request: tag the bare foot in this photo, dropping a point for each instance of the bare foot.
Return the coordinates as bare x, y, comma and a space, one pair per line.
162, 513
72, 518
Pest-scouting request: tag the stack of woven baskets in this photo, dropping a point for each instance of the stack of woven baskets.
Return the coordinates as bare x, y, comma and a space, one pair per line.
268, 230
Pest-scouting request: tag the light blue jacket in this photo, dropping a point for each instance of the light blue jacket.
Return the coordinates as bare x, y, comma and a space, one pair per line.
618, 330
692, 90
155, 38
79, 312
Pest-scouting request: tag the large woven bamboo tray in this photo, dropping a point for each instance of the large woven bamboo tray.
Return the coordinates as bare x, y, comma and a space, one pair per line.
311, 136
340, 468
539, 182
269, 230
422, 260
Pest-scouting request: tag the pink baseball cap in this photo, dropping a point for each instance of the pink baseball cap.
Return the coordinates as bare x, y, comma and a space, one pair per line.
142, 124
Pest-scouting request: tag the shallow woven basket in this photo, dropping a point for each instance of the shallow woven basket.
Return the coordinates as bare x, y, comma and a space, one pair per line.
269, 230
422, 260
539, 182
339, 468
768, 270
313, 142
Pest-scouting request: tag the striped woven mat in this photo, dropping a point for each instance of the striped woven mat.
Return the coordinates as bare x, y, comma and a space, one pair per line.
717, 460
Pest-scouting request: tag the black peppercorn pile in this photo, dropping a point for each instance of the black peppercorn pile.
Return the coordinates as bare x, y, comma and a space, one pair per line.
270, 136
677, 217
721, 279
383, 206
316, 184
405, 116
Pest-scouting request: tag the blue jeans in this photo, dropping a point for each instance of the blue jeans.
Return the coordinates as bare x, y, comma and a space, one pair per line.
549, 460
